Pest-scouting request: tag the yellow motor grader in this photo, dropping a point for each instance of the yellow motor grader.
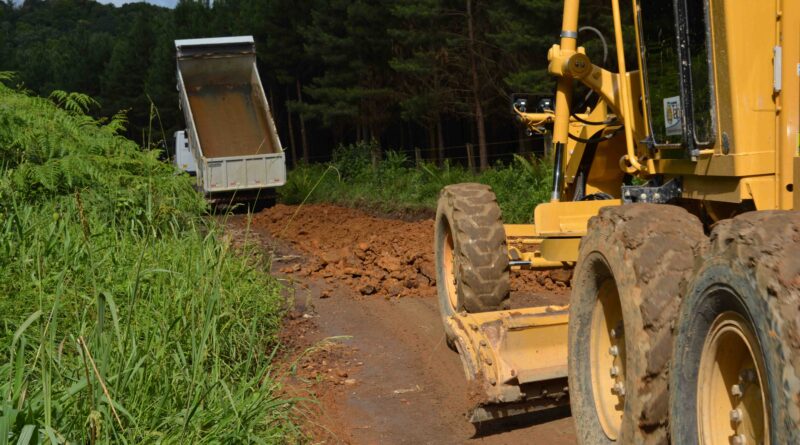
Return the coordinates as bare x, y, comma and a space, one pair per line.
673, 199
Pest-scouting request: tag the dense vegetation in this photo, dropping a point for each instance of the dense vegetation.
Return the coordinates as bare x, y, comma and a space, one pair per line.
126, 318
433, 75
398, 186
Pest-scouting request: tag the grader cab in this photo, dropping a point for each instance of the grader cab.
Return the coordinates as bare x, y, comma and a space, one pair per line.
674, 200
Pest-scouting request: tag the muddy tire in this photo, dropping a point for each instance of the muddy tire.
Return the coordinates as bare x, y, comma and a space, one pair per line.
632, 267
471, 253
738, 326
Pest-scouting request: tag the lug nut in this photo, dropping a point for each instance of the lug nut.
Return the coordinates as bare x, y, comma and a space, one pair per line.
614, 350
747, 375
614, 371
738, 439
618, 389
736, 390
736, 416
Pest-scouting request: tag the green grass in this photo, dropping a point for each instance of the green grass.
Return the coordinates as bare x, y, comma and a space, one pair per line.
126, 318
398, 186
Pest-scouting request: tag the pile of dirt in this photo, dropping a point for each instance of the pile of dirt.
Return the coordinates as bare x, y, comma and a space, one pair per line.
375, 256
378, 256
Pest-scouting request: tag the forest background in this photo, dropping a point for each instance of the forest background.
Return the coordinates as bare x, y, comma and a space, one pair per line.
423, 77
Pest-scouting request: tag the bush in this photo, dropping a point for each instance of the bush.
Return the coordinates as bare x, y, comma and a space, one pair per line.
125, 319
396, 185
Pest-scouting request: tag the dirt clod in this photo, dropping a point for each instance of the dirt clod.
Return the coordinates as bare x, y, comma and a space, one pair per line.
379, 257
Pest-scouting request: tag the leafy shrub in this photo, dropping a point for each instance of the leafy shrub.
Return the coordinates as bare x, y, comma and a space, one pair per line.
125, 320
398, 186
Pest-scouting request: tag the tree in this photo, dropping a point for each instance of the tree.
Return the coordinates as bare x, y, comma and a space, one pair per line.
282, 52
125, 75
350, 37
475, 59
421, 58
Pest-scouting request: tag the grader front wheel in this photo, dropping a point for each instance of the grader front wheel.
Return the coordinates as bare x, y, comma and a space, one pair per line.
472, 269
626, 289
735, 375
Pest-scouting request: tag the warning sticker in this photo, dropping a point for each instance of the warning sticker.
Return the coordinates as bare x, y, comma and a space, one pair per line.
673, 116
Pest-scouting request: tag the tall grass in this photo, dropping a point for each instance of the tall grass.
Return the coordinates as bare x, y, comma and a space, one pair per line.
125, 319
397, 185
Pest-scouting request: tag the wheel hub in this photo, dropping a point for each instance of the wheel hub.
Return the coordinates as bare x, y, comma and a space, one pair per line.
607, 354
731, 398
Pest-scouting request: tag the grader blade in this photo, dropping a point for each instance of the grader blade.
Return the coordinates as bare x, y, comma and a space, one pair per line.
515, 360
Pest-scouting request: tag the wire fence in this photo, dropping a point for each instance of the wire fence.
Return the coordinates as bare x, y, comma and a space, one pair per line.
450, 152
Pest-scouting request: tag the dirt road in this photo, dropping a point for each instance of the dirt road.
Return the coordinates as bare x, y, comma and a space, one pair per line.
387, 376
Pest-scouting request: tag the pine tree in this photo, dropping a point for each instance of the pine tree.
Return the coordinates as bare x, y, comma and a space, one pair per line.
350, 37
475, 60
125, 75
421, 58
282, 51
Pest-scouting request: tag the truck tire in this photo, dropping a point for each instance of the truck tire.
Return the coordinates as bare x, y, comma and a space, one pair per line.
736, 362
471, 252
632, 267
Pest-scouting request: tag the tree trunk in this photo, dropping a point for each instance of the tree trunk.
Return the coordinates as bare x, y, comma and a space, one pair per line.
292, 146
483, 153
375, 148
302, 122
432, 143
470, 158
440, 134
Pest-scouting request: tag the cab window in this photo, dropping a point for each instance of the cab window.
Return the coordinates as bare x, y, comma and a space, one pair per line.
670, 101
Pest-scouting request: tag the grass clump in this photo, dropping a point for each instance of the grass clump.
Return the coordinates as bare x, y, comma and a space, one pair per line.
396, 185
126, 318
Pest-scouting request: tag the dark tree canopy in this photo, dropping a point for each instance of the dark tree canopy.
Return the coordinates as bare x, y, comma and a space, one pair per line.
423, 76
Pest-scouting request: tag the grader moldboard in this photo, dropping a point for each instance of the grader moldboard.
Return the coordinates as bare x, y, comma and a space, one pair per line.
674, 201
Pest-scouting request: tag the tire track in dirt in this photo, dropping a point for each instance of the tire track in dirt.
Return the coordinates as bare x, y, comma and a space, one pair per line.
390, 379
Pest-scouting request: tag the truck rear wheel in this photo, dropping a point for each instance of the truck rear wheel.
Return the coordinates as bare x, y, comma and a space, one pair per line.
632, 266
471, 252
736, 363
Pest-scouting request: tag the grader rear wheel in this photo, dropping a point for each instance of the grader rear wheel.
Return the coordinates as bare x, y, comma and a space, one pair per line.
626, 289
471, 252
736, 368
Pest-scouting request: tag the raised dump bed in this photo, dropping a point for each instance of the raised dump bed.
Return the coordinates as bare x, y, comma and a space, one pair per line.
230, 133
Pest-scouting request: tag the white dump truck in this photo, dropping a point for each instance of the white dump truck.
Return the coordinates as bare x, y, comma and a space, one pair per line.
230, 142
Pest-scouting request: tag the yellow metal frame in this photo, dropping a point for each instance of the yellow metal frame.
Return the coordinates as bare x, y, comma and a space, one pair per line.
747, 105
755, 157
